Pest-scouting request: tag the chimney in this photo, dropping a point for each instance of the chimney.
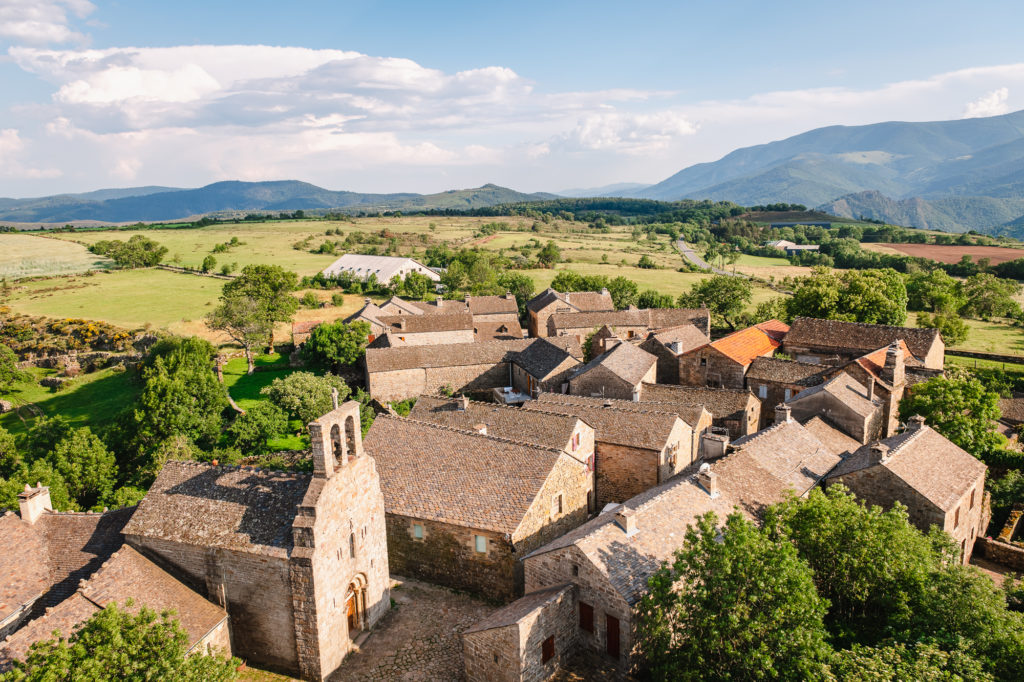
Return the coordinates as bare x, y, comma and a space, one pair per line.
509, 296
676, 347
466, 299
783, 413
708, 480
879, 453
439, 302
894, 370
871, 388
626, 520
367, 301
915, 423
32, 502
713, 445
463, 403
608, 402
481, 429
636, 396
604, 291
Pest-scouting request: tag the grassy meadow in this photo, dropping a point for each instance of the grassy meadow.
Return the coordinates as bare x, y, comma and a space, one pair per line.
89, 400
23, 255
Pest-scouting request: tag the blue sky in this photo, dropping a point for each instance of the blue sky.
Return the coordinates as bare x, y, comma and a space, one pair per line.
418, 96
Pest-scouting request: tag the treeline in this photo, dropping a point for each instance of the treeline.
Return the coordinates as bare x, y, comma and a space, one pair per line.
137, 252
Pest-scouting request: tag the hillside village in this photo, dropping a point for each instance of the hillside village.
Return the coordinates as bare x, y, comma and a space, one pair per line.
550, 464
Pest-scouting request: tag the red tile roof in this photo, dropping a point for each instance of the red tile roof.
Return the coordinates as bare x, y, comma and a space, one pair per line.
753, 342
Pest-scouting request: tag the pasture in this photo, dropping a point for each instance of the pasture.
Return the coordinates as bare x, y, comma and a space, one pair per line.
89, 400
23, 255
951, 254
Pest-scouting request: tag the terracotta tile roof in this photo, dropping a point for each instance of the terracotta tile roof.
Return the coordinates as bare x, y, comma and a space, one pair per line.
521, 608
1012, 409
786, 371
626, 361
457, 354
746, 344
490, 305
648, 318
837, 335
928, 463
24, 564
487, 330
439, 473
239, 508
846, 390
583, 301
835, 440
647, 430
723, 403
414, 324
686, 335
513, 423
547, 358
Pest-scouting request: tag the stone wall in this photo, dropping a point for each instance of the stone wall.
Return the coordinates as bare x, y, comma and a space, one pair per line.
217, 641
598, 381
407, 383
493, 655
541, 524
971, 521
1011, 556
707, 366
668, 362
623, 472
864, 429
774, 394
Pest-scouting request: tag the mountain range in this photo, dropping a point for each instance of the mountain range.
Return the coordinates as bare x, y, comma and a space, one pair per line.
169, 203
952, 175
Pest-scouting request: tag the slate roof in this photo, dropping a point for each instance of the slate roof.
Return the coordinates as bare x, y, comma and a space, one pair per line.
650, 318
786, 371
464, 478
125, 575
834, 334
583, 301
723, 403
633, 428
239, 508
521, 608
746, 344
545, 358
626, 361
439, 307
1012, 409
459, 354
926, 461
24, 569
687, 335
537, 428
846, 390
835, 440
487, 330
490, 305
415, 324
370, 311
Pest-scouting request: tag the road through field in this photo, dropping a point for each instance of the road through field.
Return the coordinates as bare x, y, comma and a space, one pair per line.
691, 255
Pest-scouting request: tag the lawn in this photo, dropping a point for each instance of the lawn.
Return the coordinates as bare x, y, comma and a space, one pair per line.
978, 363
762, 261
23, 255
245, 390
91, 400
988, 337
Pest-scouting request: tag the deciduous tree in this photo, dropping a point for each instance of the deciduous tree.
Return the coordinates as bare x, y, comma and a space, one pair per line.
270, 287
335, 344
242, 319
304, 395
725, 296
963, 411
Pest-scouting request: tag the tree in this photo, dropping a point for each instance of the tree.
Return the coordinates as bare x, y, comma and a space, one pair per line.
416, 285
251, 431
646, 262
209, 263
271, 287
10, 458
519, 285
9, 372
335, 344
128, 645
871, 296
898, 661
45, 433
953, 329
988, 297
623, 291
963, 411
725, 296
934, 291
87, 467
772, 309
548, 256
567, 280
304, 395
649, 298
241, 318
733, 605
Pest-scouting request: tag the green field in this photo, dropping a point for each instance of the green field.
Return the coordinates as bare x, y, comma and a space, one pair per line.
23, 255
988, 337
762, 261
978, 363
90, 400
245, 390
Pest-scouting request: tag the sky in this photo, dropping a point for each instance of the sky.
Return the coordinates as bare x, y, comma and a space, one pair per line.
428, 96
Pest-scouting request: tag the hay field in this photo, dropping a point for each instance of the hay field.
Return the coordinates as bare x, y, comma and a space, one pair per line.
24, 255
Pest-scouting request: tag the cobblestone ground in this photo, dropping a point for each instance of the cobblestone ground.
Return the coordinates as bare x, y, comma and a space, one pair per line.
420, 639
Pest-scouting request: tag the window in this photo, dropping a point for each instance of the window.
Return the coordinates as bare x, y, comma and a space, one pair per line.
417, 531
762, 391
547, 649
556, 505
575, 569
352, 545
590, 463
703, 362
789, 394
480, 544
972, 499
575, 442
586, 617
956, 517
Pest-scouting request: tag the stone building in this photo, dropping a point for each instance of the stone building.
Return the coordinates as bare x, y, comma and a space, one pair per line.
127, 575
774, 381
637, 447
844, 403
493, 308
425, 330
383, 268
886, 370
400, 373
298, 561
487, 330
629, 324
669, 344
940, 484
736, 412
463, 507
618, 373
831, 342
723, 363
302, 330
546, 303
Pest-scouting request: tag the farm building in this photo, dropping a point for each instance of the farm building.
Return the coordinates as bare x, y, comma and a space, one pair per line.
383, 267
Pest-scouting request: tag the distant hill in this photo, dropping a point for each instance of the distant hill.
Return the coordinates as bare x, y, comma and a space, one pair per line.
620, 189
954, 175
163, 203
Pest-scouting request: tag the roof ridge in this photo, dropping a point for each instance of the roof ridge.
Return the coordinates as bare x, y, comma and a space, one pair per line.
800, 362
913, 436
495, 406
239, 467
668, 413
870, 324
470, 432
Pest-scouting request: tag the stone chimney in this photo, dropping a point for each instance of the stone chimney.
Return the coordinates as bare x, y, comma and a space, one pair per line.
708, 480
915, 423
608, 402
481, 429
636, 396
32, 502
509, 296
871, 388
463, 403
714, 445
367, 301
676, 347
626, 520
894, 371
879, 453
783, 413
439, 302
466, 299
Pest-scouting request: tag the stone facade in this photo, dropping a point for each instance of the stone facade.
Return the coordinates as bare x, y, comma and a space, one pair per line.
844, 403
709, 367
600, 381
548, 302
407, 383
831, 342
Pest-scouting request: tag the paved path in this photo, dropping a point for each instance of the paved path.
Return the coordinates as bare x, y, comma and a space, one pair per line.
691, 255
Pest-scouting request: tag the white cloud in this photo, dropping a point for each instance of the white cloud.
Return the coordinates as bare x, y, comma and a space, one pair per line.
992, 104
627, 132
41, 22
12, 158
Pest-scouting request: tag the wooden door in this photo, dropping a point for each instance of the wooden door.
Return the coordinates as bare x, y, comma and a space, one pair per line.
613, 635
353, 615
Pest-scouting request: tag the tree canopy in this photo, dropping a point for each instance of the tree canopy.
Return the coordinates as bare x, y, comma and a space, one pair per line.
725, 296
304, 395
871, 296
962, 410
270, 287
335, 344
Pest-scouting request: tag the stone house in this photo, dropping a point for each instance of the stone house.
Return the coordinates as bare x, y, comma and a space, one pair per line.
381, 267
546, 303
940, 484
629, 324
299, 561
463, 507
831, 342
565, 432
404, 372
669, 344
424, 330
886, 370
499, 330
735, 412
618, 373
127, 575
637, 448
774, 381
844, 403
723, 363
493, 308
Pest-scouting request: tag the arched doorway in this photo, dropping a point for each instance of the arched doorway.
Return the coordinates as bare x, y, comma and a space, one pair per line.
355, 606
336, 445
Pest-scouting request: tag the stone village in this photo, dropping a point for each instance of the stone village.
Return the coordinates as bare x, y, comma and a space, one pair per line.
547, 485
